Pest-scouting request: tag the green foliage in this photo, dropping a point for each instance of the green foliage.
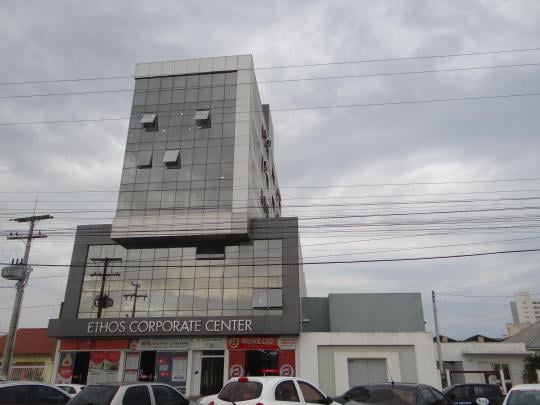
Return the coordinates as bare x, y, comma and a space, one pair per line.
532, 363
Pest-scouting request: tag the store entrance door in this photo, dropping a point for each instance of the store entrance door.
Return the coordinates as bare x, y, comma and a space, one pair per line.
212, 364
80, 368
147, 366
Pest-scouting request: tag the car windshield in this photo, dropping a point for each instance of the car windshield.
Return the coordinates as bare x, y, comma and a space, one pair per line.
94, 395
384, 395
524, 398
237, 391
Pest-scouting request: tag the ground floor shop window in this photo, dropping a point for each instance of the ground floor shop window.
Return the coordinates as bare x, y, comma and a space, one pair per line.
262, 362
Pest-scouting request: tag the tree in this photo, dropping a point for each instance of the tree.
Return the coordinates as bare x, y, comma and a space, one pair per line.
532, 363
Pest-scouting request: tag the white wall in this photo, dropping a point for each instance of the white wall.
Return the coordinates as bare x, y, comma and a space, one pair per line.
347, 345
477, 356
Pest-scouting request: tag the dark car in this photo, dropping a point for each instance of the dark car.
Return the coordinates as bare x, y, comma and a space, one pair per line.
31, 393
467, 394
393, 394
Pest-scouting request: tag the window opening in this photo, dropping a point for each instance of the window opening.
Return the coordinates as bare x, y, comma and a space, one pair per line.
210, 252
144, 159
172, 158
202, 119
149, 121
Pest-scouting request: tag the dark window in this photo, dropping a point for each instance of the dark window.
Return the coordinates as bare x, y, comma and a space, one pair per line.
210, 252
172, 158
95, 395
286, 391
236, 391
202, 119
144, 159
41, 394
137, 396
149, 121
523, 398
166, 396
311, 394
439, 398
426, 397
14, 395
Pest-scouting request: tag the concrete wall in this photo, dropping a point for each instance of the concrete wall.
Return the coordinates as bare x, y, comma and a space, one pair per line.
322, 357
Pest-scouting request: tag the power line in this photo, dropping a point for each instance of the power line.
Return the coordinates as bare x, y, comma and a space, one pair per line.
309, 108
392, 59
403, 259
299, 79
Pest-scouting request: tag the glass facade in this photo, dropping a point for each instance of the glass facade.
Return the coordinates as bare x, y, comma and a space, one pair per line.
176, 283
202, 180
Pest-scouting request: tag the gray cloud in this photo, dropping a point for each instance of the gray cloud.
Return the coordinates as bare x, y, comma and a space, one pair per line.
394, 144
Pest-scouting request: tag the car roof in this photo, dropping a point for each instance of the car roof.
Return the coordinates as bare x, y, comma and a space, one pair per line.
526, 387
12, 383
265, 379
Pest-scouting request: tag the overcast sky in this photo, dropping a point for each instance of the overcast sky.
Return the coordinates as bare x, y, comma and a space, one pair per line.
462, 146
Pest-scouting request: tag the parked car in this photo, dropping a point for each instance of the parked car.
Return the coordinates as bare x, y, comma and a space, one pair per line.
270, 390
525, 394
31, 393
71, 389
467, 394
139, 393
393, 394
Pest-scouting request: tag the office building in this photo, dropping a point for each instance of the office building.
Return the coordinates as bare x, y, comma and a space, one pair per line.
198, 278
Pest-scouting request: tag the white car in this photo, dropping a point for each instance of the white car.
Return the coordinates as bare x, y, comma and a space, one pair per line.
528, 394
71, 389
137, 393
268, 391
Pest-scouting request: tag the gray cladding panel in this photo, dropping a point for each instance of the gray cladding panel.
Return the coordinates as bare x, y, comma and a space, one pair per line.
400, 312
315, 314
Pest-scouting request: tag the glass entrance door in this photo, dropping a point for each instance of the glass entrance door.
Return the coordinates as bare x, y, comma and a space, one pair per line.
211, 372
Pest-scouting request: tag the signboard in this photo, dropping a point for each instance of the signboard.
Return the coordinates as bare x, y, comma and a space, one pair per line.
262, 343
172, 327
103, 367
163, 344
179, 367
65, 368
131, 369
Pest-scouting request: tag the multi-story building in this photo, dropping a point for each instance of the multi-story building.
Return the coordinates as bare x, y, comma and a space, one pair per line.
525, 312
198, 278
524, 309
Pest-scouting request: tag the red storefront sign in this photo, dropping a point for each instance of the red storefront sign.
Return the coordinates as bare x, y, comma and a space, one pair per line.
97, 344
261, 343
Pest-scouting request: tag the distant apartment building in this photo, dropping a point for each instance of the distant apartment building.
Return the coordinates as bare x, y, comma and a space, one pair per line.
525, 312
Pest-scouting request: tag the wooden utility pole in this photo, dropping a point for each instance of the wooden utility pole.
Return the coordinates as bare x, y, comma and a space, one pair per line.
103, 301
134, 296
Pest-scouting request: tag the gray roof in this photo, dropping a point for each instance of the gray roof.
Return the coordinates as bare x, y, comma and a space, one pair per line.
530, 336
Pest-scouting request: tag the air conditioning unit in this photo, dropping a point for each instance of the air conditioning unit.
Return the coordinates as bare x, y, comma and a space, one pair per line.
267, 143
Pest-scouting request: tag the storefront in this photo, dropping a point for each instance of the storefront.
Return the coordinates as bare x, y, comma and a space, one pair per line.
196, 366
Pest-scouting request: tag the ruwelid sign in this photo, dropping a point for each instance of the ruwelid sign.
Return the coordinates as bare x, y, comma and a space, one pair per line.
204, 326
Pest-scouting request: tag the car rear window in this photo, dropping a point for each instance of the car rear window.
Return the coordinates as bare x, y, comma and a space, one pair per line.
94, 395
385, 395
237, 391
523, 398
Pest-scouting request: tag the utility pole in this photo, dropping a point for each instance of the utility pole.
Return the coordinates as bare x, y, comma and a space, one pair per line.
438, 336
134, 295
103, 301
23, 271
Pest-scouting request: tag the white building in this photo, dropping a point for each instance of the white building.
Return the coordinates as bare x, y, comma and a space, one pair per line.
356, 339
480, 361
